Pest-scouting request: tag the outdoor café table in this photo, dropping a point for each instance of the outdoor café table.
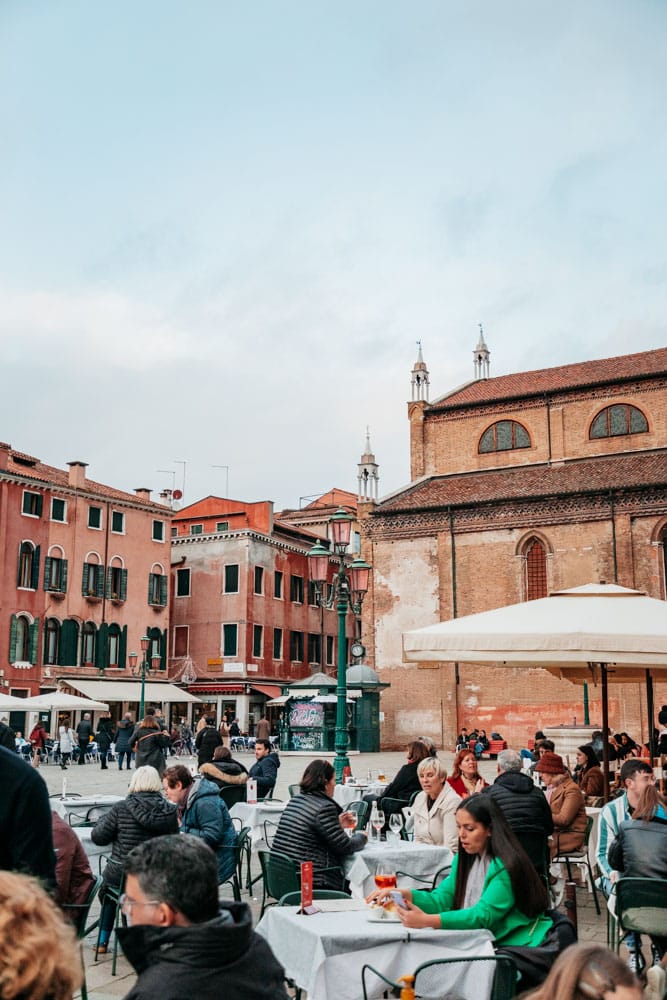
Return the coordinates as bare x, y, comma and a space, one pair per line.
255, 815
80, 806
422, 860
324, 953
344, 794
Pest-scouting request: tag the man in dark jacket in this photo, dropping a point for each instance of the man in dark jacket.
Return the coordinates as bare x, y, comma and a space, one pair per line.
206, 741
182, 941
26, 841
7, 737
83, 733
524, 806
265, 768
122, 738
104, 737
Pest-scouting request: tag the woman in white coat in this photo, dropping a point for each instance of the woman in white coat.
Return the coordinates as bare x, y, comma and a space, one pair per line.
435, 806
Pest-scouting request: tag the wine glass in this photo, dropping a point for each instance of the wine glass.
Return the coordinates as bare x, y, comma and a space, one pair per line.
385, 876
395, 825
378, 822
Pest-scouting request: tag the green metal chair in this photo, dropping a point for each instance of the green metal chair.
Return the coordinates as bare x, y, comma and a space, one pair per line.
428, 883
112, 894
294, 790
79, 913
231, 794
280, 875
581, 858
362, 810
641, 906
503, 988
294, 898
241, 849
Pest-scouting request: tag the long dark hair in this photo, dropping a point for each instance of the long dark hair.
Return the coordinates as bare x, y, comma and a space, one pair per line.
590, 755
316, 776
530, 893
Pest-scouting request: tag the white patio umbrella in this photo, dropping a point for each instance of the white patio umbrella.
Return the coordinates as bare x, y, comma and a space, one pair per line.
63, 702
10, 704
591, 633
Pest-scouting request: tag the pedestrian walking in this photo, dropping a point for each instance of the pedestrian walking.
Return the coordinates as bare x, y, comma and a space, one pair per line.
84, 731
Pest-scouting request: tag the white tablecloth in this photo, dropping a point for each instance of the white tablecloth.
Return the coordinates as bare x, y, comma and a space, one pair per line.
422, 860
80, 806
344, 794
254, 816
324, 953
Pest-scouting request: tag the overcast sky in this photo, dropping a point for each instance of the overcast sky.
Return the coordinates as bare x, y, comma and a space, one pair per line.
225, 225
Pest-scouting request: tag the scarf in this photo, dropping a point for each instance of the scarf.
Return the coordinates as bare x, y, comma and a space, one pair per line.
476, 877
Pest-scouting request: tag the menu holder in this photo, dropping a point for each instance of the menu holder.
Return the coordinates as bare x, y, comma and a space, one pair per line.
307, 889
251, 791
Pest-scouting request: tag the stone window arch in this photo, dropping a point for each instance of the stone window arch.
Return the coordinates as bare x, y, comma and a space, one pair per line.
617, 420
504, 435
534, 551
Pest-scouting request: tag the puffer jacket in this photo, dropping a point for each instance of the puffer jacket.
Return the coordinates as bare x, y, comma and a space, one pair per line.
522, 803
148, 742
221, 957
128, 823
309, 830
206, 816
225, 772
640, 849
206, 741
123, 735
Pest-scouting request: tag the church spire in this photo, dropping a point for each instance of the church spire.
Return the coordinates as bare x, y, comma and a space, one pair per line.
420, 379
481, 355
367, 476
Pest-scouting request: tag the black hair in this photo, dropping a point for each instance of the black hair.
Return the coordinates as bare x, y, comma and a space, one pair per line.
632, 767
546, 745
590, 755
264, 743
180, 870
530, 893
318, 774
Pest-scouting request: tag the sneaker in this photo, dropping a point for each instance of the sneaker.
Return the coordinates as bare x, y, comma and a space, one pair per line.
636, 962
102, 949
655, 983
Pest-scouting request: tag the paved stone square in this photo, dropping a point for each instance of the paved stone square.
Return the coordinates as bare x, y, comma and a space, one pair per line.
90, 779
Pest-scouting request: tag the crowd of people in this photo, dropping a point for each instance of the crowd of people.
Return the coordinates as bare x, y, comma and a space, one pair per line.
172, 849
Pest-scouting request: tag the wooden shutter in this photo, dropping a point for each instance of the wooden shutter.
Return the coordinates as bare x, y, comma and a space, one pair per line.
150, 589
122, 647
33, 640
109, 574
47, 572
69, 641
163, 650
34, 576
99, 581
38, 506
102, 647
123, 585
63, 576
13, 629
163, 590
84, 580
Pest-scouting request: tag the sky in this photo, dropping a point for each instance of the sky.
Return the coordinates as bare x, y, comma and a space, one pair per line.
225, 226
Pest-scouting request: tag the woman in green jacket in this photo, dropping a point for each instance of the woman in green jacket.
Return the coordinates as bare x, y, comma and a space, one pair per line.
492, 883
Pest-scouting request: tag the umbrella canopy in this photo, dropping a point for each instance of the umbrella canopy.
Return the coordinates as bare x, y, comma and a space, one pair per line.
61, 701
568, 633
9, 704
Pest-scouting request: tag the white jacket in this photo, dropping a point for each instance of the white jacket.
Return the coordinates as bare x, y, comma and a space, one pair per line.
439, 825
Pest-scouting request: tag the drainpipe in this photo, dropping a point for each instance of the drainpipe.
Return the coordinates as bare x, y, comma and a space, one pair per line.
613, 533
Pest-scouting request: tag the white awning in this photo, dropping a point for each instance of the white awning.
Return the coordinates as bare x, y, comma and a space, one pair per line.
282, 700
126, 690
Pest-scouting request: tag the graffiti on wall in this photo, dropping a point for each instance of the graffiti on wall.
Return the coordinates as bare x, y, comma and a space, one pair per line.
306, 716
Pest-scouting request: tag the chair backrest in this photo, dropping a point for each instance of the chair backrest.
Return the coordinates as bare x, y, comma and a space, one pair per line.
641, 905
294, 898
281, 874
78, 912
270, 830
432, 981
389, 805
294, 790
362, 809
231, 794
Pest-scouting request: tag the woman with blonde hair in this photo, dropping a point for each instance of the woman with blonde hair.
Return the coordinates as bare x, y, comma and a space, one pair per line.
587, 972
39, 953
143, 814
434, 809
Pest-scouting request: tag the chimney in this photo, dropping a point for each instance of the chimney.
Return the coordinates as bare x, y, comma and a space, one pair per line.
143, 492
77, 474
5, 451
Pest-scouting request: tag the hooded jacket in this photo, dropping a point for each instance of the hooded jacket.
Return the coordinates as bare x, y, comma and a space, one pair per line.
265, 773
128, 823
123, 735
206, 741
522, 803
225, 772
222, 957
640, 849
148, 741
206, 816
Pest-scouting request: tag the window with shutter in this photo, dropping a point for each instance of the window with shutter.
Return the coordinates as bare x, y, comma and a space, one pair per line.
122, 654
13, 635
257, 635
95, 517
182, 583
113, 646
34, 576
69, 643
32, 504
33, 646
277, 643
58, 509
229, 640
231, 585
163, 590
26, 562
51, 641
102, 647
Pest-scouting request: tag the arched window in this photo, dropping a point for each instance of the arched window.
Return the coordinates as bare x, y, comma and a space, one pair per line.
504, 435
619, 419
28, 573
116, 580
22, 641
535, 570
663, 544
114, 645
157, 646
51, 640
88, 637
157, 586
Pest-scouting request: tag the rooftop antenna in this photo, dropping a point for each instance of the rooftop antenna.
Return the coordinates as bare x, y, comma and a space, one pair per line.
226, 468
178, 461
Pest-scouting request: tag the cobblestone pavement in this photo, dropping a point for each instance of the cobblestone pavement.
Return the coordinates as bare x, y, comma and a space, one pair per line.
90, 779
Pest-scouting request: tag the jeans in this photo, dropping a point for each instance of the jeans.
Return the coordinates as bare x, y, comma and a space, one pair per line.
128, 757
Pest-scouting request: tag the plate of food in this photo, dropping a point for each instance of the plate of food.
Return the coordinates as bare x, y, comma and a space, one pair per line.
382, 913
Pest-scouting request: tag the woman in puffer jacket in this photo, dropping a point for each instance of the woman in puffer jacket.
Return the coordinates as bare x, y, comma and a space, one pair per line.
143, 814
224, 770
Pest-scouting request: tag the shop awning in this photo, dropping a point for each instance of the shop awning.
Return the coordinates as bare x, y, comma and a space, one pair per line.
216, 687
126, 690
282, 700
271, 690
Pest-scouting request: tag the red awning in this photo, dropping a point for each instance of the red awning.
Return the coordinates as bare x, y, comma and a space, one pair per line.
216, 688
272, 690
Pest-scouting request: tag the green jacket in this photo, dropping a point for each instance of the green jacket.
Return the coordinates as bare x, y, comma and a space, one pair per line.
495, 910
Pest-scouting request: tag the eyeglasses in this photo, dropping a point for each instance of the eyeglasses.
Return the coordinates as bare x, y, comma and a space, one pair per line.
126, 903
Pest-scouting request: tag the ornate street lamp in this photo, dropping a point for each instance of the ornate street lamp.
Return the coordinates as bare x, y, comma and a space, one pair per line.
348, 589
144, 668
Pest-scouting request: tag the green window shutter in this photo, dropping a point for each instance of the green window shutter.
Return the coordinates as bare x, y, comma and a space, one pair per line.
108, 587
122, 647
13, 628
18, 570
150, 589
84, 580
99, 581
102, 647
69, 641
47, 572
38, 505
163, 590
123, 585
34, 581
163, 650
33, 641
63, 576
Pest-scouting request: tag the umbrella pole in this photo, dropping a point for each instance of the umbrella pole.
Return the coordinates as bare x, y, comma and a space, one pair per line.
650, 709
605, 729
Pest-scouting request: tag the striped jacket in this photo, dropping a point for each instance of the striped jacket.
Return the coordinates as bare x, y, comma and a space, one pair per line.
611, 817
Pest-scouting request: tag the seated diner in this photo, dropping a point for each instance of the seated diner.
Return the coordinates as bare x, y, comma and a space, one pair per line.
434, 809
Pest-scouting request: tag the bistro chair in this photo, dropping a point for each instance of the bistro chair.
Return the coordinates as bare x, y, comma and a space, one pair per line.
362, 809
231, 794
113, 895
429, 884
429, 986
582, 860
641, 907
294, 790
79, 913
294, 898
241, 849
280, 875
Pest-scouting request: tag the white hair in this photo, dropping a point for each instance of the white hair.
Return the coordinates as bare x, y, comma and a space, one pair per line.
145, 779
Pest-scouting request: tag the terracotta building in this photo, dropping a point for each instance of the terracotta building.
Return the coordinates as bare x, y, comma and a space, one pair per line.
85, 575
244, 618
520, 485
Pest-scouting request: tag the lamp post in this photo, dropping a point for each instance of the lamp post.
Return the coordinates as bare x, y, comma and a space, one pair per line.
143, 669
348, 589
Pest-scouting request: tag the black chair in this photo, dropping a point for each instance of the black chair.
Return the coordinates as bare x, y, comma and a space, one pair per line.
231, 794
641, 906
90, 816
294, 898
294, 790
280, 875
241, 850
582, 859
503, 988
428, 883
270, 830
112, 894
79, 913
